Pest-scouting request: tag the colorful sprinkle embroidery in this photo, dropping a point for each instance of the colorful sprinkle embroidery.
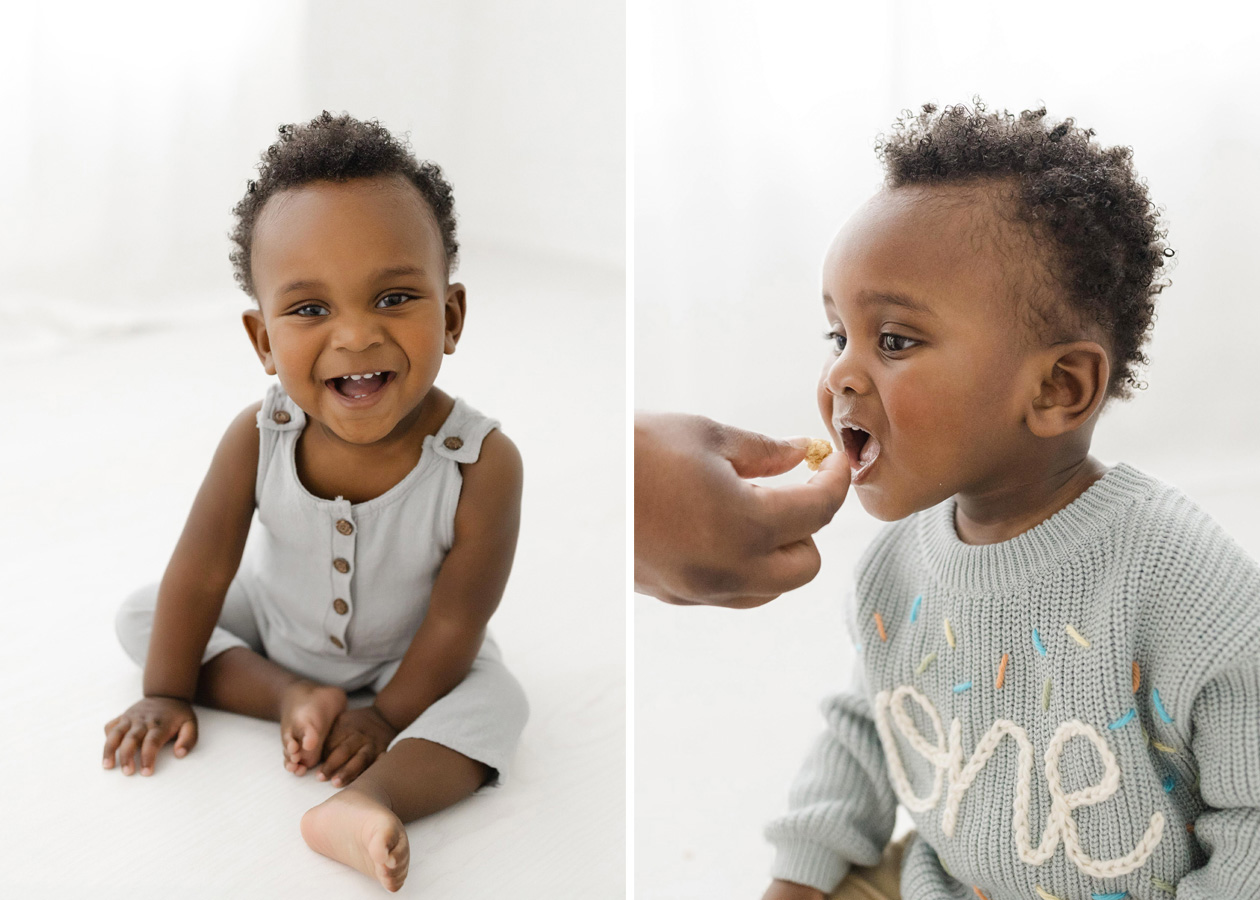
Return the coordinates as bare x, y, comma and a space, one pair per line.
1119, 896
1001, 679
1190, 827
1123, 720
879, 623
927, 661
1158, 746
1159, 707
944, 867
1041, 648
914, 610
1076, 636
1137, 676
949, 634
1045, 695
962, 686
979, 893
1169, 784
1045, 895
1163, 886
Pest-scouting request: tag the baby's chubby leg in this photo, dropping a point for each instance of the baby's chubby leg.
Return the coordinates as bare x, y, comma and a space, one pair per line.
363, 825
241, 681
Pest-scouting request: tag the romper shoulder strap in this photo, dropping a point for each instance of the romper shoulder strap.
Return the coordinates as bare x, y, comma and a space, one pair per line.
278, 417
461, 434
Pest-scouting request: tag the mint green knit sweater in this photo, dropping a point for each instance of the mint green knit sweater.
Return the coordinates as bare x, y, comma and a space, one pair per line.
1073, 713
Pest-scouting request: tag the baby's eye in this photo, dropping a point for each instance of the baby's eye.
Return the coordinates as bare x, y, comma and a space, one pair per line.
390, 300
895, 343
310, 310
837, 339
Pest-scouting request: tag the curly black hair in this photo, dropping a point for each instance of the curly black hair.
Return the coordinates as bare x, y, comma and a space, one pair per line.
337, 148
1102, 239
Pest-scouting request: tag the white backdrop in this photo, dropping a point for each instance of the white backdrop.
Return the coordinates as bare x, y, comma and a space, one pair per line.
130, 131
753, 128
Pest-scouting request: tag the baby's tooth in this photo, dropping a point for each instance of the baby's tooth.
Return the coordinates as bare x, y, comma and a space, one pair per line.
356, 377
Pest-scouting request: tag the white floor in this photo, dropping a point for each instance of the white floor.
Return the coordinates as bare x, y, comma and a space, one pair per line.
108, 426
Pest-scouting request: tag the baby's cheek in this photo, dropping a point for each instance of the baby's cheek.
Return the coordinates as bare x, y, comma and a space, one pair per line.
824, 408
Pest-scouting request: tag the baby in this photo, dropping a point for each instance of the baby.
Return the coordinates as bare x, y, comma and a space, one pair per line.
1059, 676
387, 512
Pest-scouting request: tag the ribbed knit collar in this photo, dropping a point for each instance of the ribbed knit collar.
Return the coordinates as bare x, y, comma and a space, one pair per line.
997, 568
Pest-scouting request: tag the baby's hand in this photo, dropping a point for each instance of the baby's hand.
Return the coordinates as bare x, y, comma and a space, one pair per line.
146, 726
790, 890
357, 738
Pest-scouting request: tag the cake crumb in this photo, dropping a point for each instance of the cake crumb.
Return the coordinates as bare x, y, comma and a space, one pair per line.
816, 452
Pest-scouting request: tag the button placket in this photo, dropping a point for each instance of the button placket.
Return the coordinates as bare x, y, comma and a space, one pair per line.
340, 608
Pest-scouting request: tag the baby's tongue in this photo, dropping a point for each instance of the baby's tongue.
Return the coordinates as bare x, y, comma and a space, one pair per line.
368, 384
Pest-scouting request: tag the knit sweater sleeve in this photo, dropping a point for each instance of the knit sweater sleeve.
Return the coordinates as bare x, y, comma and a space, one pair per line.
841, 805
1226, 745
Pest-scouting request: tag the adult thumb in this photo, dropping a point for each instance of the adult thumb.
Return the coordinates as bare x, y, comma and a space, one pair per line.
758, 455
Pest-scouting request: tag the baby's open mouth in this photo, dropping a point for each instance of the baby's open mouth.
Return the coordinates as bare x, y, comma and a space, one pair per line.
859, 446
361, 385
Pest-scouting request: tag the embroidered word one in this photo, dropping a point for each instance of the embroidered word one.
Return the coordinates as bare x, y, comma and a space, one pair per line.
947, 758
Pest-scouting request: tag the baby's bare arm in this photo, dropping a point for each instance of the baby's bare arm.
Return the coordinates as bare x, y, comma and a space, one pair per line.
465, 594
190, 598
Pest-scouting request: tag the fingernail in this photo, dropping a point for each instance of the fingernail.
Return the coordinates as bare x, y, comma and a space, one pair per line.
800, 443
336, 782
146, 771
106, 763
322, 777
180, 751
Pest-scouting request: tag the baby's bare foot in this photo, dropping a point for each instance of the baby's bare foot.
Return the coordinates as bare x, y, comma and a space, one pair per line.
354, 828
307, 712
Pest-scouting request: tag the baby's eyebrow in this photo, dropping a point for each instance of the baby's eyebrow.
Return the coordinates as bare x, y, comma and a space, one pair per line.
892, 298
305, 284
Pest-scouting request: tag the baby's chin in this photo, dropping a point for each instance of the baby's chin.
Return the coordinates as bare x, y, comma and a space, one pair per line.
889, 506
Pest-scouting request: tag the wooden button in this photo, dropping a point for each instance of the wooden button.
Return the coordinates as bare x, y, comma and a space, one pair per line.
341, 565
344, 527
336, 643
280, 417
453, 443
341, 606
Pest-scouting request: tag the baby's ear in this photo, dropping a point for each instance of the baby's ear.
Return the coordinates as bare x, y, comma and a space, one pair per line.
256, 328
1073, 385
455, 312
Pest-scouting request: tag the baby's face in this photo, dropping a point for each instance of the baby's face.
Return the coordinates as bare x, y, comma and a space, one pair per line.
927, 357
351, 281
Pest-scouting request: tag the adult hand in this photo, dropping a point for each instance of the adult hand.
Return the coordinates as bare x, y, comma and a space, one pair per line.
703, 534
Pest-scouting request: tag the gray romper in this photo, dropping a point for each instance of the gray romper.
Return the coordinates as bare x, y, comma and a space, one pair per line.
335, 591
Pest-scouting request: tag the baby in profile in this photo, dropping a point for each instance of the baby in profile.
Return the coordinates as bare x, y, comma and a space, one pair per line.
387, 512
1058, 674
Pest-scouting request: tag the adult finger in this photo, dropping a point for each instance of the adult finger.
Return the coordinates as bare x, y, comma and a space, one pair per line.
794, 512
354, 767
758, 455
783, 569
186, 739
154, 738
114, 733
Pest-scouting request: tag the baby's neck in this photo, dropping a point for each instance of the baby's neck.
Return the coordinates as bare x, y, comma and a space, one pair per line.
1008, 512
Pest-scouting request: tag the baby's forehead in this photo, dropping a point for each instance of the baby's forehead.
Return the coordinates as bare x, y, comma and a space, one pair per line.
958, 249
